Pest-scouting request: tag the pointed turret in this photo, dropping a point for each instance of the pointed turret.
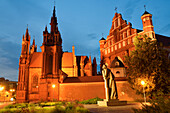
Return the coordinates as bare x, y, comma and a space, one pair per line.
94, 67
46, 29
23, 37
90, 59
25, 44
33, 43
33, 47
27, 36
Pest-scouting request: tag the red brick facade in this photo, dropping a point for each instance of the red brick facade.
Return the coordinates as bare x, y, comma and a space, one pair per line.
120, 40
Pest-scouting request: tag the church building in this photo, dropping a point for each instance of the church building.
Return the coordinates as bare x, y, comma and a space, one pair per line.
120, 40
38, 71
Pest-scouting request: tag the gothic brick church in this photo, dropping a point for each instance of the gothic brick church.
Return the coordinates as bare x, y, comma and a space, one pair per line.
54, 74
39, 70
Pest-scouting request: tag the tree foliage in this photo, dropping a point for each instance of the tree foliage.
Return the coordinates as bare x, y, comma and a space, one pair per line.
148, 62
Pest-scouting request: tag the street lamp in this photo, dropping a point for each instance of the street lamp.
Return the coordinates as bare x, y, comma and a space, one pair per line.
143, 83
53, 86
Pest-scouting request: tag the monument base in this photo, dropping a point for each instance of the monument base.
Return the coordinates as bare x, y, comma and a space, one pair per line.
112, 102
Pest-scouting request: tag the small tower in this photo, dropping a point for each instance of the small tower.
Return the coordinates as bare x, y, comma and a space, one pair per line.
94, 67
33, 47
102, 52
147, 24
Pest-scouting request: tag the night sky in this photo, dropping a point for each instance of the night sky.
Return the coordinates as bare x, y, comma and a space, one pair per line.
81, 23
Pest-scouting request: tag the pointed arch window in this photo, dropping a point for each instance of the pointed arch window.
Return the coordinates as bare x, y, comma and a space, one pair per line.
35, 83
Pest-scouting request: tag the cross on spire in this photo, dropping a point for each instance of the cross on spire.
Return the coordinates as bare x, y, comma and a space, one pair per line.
27, 26
145, 7
102, 34
54, 2
116, 9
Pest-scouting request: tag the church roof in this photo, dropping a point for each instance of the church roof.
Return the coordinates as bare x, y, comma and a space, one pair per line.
36, 60
163, 39
116, 63
102, 38
145, 13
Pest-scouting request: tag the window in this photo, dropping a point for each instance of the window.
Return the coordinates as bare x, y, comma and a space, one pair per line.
35, 84
123, 43
112, 49
128, 41
108, 50
105, 52
117, 64
117, 72
115, 47
119, 45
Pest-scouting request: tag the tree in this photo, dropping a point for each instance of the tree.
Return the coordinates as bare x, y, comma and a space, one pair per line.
148, 62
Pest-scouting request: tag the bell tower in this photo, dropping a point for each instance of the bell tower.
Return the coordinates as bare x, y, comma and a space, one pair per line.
147, 24
52, 50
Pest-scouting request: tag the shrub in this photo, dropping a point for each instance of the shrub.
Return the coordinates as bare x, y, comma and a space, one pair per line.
70, 107
58, 109
91, 101
81, 110
161, 105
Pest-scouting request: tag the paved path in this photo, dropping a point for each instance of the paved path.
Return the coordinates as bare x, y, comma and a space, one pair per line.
113, 109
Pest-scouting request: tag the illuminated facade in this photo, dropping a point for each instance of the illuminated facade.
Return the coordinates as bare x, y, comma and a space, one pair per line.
120, 40
39, 70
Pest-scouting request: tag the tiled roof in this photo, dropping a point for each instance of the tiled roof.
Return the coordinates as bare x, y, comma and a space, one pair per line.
163, 39
145, 13
36, 60
102, 38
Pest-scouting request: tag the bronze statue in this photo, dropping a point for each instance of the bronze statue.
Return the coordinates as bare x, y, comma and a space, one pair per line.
110, 84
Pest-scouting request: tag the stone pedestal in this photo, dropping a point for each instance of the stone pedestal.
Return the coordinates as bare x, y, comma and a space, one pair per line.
112, 102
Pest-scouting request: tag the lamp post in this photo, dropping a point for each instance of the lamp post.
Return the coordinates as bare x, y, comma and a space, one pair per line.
53, 86
143, 83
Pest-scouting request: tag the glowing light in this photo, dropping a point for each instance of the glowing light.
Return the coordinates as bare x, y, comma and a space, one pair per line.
1, 88
53, 86
12, 99
12, 90
142, 82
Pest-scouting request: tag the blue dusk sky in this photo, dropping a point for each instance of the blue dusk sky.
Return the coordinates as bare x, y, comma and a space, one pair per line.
81, 23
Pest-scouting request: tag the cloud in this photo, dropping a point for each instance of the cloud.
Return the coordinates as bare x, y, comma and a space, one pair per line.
9, 58
165, 30
92, 36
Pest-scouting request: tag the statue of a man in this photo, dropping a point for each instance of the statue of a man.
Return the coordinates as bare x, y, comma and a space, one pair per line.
110, 84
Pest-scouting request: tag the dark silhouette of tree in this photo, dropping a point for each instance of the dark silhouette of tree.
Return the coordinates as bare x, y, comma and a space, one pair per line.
148, 62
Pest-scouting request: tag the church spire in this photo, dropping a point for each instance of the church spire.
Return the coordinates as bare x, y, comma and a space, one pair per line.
54, 12
53, 22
